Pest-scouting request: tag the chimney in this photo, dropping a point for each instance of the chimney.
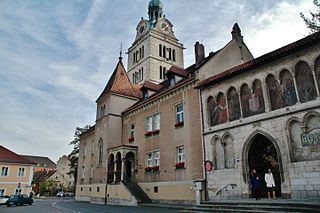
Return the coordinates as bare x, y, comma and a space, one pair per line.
199, 52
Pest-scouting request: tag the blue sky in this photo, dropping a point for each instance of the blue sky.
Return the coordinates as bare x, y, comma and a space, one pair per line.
56, 56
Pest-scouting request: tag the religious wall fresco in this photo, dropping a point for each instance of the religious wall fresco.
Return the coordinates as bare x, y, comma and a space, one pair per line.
275, 92
245, 97
289, 96
304, 137
305, 82
233, 104
222, 109
212, 111
257, 101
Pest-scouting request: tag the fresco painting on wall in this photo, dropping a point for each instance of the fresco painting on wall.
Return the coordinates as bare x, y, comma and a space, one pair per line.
317, 70
233, 104
245, 97
258, 97
305, 82
222, 109
275, 93
213, 111
289, 96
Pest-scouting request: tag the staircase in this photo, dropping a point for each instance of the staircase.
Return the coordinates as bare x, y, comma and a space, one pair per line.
254, 206
137, 192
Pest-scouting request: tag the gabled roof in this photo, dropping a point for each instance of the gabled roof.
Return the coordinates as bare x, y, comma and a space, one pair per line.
41, 176
41, 161
119, 83
179, 71
150, 86
8, 156
262, 60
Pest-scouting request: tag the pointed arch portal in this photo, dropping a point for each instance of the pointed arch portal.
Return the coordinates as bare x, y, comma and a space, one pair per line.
263, 153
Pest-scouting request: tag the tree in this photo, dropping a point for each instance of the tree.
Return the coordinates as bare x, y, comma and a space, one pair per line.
313, 23
73, 156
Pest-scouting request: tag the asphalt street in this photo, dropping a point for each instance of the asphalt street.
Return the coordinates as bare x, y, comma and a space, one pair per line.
67, 205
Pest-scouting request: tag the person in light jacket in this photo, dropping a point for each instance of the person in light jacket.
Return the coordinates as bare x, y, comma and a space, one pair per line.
270, 184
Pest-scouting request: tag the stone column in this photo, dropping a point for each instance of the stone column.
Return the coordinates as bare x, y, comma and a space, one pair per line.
114, 171
122, 168
315, 81
296, 88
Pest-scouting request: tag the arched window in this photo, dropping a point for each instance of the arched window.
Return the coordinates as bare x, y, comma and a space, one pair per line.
160, 50
169, 52
174, 55
164, 72
233, 104
164, 51
160, 71
305, 82
289, 96
133, 78
317, 70
100, 152
134, 58
139, 76
275, 92
141, 73
142, 51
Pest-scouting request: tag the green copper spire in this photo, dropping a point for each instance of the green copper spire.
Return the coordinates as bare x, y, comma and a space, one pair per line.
155, 12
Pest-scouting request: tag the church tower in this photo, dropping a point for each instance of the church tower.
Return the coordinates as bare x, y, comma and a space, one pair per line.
155, 48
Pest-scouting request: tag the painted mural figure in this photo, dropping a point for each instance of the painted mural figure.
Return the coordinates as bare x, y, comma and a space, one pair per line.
258, 95
245, 97
305, 82
288, 90
213, 111
275, 93
222, 109
234, 105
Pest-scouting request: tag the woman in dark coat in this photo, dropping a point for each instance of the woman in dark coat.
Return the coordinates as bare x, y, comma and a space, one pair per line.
255, 184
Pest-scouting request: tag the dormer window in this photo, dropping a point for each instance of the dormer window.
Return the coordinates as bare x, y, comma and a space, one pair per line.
172, 80
145, 94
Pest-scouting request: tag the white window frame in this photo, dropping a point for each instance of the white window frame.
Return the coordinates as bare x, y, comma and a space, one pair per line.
149, 124
23, 169
132, 131
3, 174
149, 159
152, 122
179, 114
181, 156
156, 158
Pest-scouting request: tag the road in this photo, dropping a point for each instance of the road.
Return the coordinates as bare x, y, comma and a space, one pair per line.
67, 205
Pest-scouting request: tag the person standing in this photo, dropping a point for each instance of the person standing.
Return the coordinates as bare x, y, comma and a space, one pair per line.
270, 184
255, 184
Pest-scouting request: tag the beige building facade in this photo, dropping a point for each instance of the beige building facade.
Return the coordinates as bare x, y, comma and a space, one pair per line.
16, 173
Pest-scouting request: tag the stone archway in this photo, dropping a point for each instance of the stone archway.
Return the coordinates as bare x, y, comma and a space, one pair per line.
260, 153
129, 167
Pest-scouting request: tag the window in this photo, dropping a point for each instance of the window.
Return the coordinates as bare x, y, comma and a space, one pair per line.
180, 154
149, 159
131, 130
4, 171
98, 189
155, 189
161, 77
157, 158
2, 192
153, 159
172, 81
149, 124
83, 171
21, 172
90, 189
174, 55
134, 58
100, 152
169, 51
91, 170
179, 113
141, 73
164, 51
160, 50
156, 121
142, 51
133, 78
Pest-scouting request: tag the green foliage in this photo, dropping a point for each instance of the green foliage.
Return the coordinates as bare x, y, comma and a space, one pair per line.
73, 156
313, 23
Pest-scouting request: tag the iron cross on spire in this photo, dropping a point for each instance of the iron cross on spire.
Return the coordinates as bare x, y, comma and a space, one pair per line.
120, 57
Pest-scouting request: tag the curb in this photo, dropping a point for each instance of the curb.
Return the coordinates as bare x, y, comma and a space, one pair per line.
57, 206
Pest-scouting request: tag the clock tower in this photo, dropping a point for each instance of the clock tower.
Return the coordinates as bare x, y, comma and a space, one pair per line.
155, 48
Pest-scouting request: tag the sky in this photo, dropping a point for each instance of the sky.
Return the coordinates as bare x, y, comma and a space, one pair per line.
56, 56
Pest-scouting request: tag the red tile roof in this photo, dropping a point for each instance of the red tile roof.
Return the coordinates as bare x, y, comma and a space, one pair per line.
151, 86
41, 161
269, 57
179, 71
8, 156
119, 83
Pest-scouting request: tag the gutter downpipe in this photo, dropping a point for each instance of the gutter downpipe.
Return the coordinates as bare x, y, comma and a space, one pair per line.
203, 149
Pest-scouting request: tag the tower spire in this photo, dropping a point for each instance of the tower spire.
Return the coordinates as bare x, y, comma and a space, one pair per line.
155, 12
